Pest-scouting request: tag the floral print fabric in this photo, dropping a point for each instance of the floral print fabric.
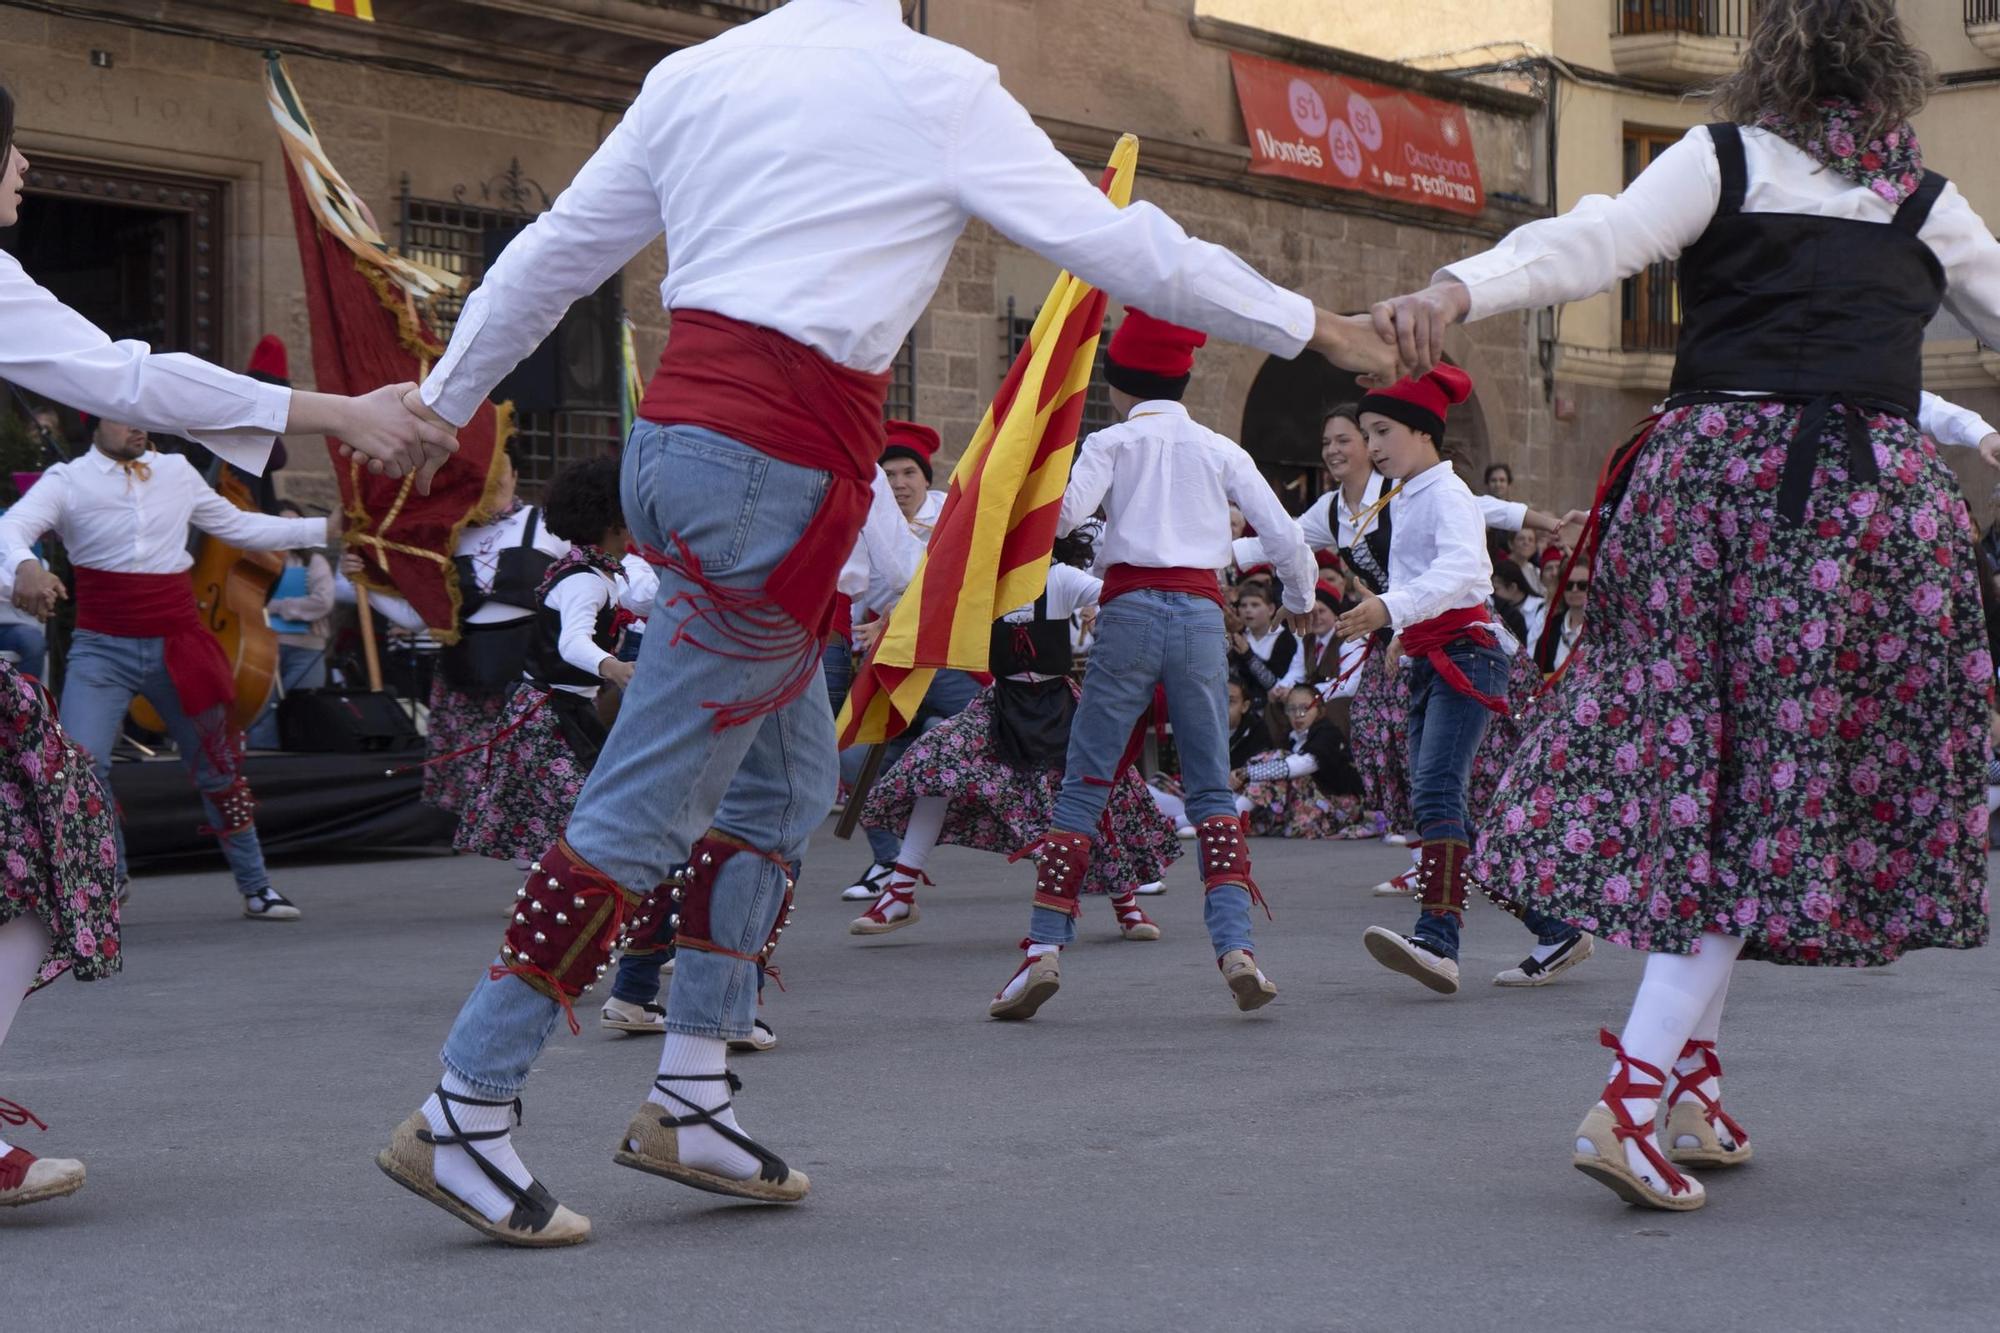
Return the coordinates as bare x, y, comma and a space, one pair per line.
58, 860
1771, 731
1891, 164
521, 791
458, 719
1297, 808
995, 808
1378, 722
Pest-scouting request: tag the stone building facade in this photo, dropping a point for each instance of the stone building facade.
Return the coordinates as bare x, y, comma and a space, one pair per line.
456, 119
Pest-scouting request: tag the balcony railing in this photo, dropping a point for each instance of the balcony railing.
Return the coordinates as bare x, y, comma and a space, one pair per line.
1651, 309
1979, 12
1700, 18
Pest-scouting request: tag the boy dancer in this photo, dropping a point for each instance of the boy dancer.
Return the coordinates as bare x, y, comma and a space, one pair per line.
1439, 579
1166, 484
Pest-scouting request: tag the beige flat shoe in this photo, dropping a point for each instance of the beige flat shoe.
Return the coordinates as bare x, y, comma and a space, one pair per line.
875, 922
1601, 1139
1699, 1132
652, 1144
538, 1222
1253, 990
1399, 953
46, 1178
1044, 979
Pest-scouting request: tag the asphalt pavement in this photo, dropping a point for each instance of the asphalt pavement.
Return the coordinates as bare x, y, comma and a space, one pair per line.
1359, 1155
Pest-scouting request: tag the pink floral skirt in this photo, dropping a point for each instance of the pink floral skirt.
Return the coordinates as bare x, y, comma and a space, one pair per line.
1503, 734
58, 860
1772, 731
1378, 722
521, 792
458, 718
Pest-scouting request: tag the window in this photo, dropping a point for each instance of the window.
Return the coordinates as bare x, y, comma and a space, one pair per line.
1650, 303
1097, 410
902, 404
1703, 18
566, 392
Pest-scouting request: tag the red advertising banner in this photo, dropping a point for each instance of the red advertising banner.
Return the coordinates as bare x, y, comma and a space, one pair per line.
1314, 126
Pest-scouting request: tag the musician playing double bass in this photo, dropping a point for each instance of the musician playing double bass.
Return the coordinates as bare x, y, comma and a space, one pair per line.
122, 511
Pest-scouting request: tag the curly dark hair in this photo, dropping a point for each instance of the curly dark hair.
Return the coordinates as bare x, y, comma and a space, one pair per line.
1802, 52
583, 504
1078, 549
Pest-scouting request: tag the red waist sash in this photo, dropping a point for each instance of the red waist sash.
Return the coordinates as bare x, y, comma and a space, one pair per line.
1121, 579
794, 403
1428, 639
159, 606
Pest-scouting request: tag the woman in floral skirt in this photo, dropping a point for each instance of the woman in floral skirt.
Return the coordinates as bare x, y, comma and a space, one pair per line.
1771, 743
535, 763
988, 778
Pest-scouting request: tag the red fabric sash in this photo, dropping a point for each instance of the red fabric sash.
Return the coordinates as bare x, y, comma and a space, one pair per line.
794, 403
1428, 639
159, 606
1121, 579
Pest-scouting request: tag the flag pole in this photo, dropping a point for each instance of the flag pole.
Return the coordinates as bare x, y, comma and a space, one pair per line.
850, 814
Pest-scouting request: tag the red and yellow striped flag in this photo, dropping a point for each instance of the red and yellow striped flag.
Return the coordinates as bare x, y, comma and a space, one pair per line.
354, 9
989, 551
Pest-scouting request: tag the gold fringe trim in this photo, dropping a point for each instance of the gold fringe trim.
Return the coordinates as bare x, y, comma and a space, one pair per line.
410, 331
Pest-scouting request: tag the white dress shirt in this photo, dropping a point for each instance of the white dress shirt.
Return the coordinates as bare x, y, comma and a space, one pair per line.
1319, 522
109, 519
49, 348
1669, 205
1437, 549
1948, 423
639, 588
579, 599
1166, 483
811, 171
885, 555
1263, 645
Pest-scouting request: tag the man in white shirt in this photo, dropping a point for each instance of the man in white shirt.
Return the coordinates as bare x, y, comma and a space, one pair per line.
122, 512
1165, 484
811, 171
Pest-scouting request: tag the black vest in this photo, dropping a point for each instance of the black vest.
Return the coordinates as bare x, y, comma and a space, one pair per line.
1814, 310
546, 664
515, 579
1370, 560
489, 658
1039, 644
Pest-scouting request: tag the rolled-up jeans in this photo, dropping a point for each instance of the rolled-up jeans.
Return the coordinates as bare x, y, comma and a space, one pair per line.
1445, 730
101, 676
666, 775
1144, 638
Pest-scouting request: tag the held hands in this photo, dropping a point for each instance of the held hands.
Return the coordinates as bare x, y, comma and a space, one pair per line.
1363, 620
36, 591
398, 435
1414, 325
1351, 342
1989, 449
615, 672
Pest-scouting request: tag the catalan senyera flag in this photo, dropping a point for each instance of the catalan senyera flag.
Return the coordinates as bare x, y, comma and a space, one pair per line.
989, 550
354, 9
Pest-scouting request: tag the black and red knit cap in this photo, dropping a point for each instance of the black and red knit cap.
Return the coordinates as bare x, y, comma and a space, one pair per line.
909, 440
1421, 401
1150, 358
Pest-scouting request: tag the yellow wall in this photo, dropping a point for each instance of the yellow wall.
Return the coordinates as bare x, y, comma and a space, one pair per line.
1392, 29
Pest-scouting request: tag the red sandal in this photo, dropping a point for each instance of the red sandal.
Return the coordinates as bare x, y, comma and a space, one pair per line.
1704, 1134
1601, 1140
899, 887
1133, 923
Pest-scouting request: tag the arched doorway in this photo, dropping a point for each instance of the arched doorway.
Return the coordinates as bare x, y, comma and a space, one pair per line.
1288, 403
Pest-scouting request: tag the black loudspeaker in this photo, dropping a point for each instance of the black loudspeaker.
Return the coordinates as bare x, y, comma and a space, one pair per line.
337, 721
577, 366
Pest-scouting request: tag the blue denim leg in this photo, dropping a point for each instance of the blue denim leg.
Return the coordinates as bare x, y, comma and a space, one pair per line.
1195, 671
29, 646
241, 849
665, 771
837, 661
1445, 730
637, 980
1548, 929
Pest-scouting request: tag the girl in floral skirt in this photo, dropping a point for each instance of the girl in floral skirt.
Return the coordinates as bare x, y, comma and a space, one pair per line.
1771, 741
549, 736
988, 778
1310, 788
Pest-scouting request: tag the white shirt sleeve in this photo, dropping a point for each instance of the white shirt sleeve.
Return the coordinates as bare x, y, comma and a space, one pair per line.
579, 600
1461, 560
1948, 423
397, 611
27, 520
886, 557
1006, 171
241, 527
1070, 591
1601, 240
1089, 479
605, 217
1295, 674
1284, 545
640, 586
49, 348
1316, 525
1248, 552
1964, 244
1507, 515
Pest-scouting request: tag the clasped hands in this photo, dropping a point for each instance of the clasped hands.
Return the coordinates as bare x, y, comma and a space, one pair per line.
392, 428
1399, 337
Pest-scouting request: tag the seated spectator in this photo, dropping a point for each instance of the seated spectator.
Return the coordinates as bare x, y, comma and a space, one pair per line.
1311, 788
1518, 608
1264, 654
1556, 642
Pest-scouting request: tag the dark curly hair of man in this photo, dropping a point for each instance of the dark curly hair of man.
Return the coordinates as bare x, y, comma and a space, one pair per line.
582, 503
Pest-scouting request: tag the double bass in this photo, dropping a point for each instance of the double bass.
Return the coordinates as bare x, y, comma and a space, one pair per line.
231, 586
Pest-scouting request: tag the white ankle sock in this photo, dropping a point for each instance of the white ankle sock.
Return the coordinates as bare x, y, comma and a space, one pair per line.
1708, 1029
700, 1146
456, 1172
1020, 979
1541, 953
903, 880
1674, 995
921, 834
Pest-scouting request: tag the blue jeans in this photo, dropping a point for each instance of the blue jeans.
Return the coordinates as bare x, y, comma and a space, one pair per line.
101, 676
29, 646
838, 663
1146, 638
637, 980
666, 775
299, 668
1445, 730
951, 692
